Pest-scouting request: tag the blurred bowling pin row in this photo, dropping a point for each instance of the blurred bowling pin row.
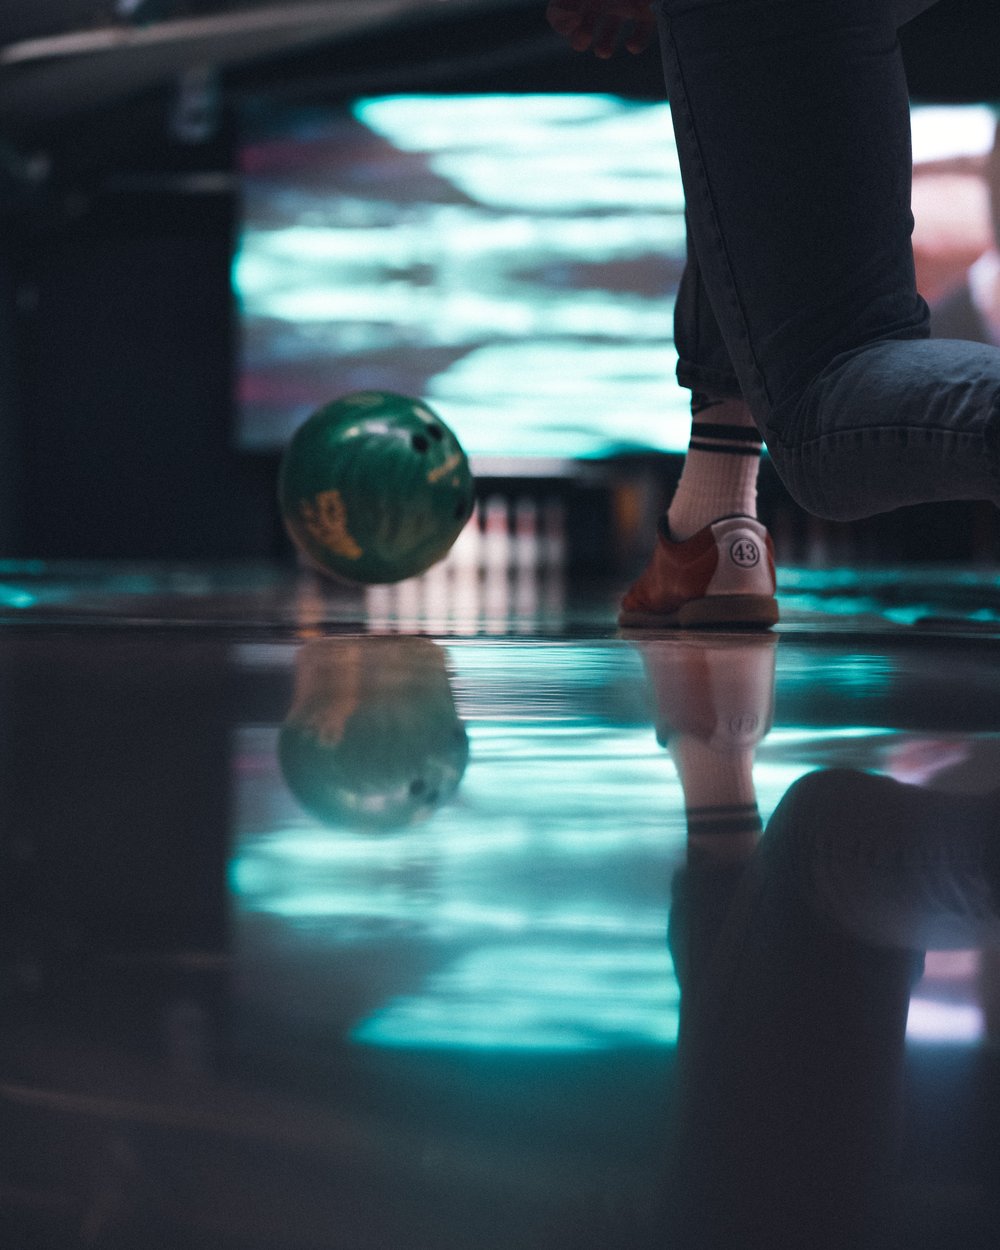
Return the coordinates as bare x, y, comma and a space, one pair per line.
505, 573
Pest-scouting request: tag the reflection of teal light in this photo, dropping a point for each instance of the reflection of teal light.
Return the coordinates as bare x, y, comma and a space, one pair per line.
903, 595
531, 913
16, 597
543, 910
857, 606
536, 997
59, 587
930, 1020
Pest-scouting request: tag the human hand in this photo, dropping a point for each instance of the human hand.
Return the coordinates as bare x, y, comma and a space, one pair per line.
598, 25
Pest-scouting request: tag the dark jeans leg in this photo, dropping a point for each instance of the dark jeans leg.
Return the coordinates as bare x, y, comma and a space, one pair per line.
703, 362
792, 123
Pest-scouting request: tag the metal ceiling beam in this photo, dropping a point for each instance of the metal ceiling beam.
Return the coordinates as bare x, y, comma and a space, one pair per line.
59, 74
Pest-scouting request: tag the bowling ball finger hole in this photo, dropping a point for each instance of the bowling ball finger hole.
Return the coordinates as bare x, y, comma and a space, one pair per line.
436, 433
419, 443
420, 790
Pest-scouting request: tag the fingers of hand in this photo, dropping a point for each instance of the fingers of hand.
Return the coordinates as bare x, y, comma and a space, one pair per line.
641, 36
606, 37
576, 20
587, 29
564, 15
598, 25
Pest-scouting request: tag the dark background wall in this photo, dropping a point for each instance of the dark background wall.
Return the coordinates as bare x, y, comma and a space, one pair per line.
124, 332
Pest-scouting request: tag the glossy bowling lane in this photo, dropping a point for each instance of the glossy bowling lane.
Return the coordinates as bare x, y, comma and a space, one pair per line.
316, 934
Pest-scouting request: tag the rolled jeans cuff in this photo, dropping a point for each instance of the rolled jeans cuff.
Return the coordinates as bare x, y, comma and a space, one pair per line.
719, 383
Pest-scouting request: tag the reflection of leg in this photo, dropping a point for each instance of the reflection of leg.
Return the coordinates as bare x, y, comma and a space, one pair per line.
720, 802
792, 122
790, 1083
893, 864
723, 829
713, 705
790, 1061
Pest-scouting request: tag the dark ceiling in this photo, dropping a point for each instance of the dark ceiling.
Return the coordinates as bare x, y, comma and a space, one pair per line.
61, 59
58, 57
45, 18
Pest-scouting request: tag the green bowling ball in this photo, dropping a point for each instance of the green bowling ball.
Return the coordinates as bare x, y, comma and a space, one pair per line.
374, 487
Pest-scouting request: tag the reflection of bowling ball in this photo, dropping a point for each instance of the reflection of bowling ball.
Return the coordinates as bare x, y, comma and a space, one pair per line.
372, 739
374, 488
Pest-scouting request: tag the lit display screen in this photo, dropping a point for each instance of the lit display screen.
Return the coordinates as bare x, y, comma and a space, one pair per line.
513, 260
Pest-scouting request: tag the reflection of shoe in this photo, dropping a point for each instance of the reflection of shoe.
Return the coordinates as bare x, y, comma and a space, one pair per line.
717, 690
721, 577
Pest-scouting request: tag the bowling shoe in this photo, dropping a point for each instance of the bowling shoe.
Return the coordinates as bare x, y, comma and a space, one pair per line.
722, 577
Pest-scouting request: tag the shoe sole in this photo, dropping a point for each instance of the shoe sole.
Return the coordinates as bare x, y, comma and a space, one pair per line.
713, 612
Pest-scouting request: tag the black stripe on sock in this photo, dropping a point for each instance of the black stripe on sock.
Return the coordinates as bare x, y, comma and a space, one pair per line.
734, 809
730, 433
737, 818
721, 449
724, 827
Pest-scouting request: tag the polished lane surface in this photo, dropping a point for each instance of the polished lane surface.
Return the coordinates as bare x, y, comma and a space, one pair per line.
324, 928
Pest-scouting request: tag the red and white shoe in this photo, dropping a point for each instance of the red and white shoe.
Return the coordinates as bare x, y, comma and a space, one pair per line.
720, 578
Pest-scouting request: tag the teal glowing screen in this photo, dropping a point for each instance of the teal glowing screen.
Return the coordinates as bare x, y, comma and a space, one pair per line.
512, 259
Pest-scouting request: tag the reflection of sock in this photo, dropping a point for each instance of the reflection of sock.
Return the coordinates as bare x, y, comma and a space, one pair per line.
720, 803
719, 477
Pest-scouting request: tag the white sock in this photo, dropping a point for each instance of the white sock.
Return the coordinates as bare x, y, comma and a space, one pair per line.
720, 801
719, 477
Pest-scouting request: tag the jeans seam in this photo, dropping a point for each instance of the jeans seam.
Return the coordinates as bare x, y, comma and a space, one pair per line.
904, 432
801, 459
991, 439
711, 217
